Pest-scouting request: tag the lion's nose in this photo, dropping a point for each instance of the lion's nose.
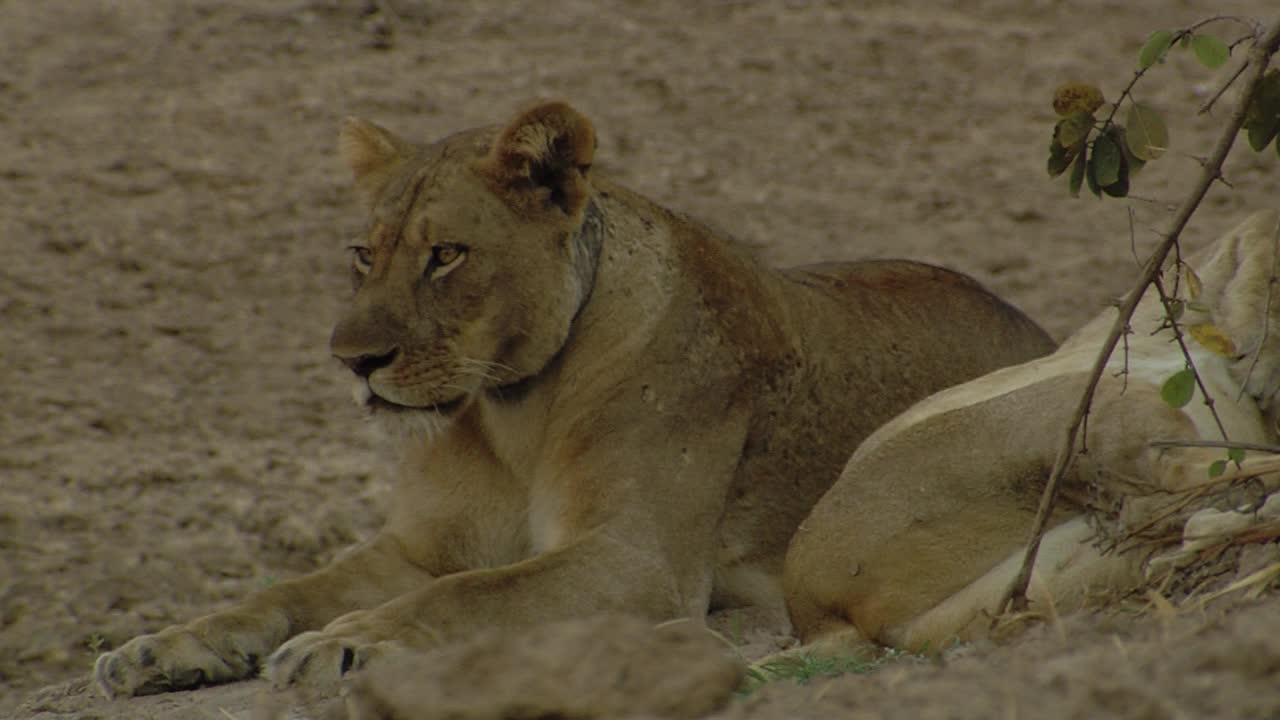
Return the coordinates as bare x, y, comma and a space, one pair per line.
365, 365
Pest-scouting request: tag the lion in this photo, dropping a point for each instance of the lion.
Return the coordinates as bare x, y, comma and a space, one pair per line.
917, 542
601, 405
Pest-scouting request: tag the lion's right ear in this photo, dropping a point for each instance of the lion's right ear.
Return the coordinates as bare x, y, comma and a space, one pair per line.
370, 151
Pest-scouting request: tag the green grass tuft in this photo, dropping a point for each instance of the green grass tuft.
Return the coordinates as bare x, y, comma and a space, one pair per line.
803, 667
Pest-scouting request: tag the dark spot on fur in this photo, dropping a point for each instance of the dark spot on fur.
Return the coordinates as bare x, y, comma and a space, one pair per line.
113, 667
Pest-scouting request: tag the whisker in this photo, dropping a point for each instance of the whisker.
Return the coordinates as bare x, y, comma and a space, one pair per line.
488, 365
455, 386
479, 372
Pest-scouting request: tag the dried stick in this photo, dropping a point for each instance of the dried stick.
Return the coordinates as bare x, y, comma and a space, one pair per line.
1015, 597
1259, 447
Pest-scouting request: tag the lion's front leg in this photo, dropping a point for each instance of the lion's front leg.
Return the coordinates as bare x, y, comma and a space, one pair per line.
596, 573
231, 644
634, 537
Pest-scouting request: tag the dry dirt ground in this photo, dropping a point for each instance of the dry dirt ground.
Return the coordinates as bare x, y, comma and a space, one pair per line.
173, 434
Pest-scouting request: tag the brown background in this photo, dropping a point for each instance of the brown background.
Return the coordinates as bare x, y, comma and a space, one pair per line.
172, 217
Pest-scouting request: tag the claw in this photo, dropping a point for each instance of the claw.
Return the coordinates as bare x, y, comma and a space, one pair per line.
106, 674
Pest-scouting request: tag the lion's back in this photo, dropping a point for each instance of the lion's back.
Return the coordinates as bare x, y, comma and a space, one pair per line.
907, 294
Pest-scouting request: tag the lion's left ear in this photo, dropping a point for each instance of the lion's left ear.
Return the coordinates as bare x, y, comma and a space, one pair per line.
541, 160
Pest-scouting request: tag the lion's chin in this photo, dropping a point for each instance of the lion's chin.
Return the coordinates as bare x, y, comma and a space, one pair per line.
406, 421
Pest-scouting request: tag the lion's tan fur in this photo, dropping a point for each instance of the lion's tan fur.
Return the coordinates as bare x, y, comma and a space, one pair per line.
627, 411
923, 532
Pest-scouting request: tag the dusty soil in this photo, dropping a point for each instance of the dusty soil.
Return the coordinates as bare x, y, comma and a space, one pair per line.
173, 433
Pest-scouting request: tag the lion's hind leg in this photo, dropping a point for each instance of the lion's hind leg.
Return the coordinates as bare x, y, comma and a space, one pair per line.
1070, 569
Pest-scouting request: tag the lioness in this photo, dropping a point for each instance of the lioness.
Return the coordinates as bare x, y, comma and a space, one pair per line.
603, 405
925, 529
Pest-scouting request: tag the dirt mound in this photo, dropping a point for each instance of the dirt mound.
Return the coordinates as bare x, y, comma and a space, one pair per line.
598, 668
1216, 664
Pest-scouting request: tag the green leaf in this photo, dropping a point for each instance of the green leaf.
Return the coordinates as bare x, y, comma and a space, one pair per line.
1077, 175
1216, 468
1119, 188
1091, 179
1263, 117
1073, 129
1106, 160
1059, 160
1194, 285
1235, 455
1146, 132
1210, 51
1132, 162
1261, 135
1157, 45
1178, 390
1175, 309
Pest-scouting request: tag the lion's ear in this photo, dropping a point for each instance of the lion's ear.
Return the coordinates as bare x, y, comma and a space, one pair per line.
370, 151
541, 160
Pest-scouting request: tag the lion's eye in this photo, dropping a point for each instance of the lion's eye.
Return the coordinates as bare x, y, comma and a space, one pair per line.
444, 257
361, 258
446, 254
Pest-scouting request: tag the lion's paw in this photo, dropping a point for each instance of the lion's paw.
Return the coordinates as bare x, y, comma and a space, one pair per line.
320, 659
216, 649
174, 659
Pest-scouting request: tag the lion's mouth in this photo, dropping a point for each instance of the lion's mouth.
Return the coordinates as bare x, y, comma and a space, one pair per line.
377, 403
372, 401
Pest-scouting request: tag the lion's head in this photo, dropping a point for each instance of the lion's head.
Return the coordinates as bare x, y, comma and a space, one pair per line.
1240, 297
479, 253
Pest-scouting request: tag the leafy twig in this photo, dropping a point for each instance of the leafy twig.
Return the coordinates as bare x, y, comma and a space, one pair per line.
1174, 38
1015, 597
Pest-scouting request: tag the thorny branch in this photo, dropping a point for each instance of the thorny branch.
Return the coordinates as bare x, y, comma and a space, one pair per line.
1254, 31
1186, 352
1015, 597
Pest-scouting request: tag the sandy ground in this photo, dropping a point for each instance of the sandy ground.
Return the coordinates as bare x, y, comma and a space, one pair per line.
172, 217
